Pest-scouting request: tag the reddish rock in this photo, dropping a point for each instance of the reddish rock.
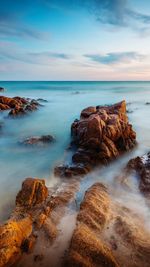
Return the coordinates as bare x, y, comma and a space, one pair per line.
12, 235
87, 249
19, 106
33, 192
101, 135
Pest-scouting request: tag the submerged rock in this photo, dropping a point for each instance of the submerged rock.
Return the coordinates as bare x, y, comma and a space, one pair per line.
2, 89
44, 139
102, 134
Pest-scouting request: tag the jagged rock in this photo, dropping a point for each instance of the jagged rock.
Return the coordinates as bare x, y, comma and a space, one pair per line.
140, 166
19, 106
44, 139
37, 212
33, 192
102, 134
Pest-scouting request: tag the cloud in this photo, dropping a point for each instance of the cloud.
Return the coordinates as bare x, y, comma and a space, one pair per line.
10, 51
115, 58
117, 13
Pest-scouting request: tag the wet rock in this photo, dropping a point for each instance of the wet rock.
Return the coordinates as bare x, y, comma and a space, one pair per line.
42, 100
141, 166
33, 192
44, 139
18, 106
86, 248
101, 135
2, 89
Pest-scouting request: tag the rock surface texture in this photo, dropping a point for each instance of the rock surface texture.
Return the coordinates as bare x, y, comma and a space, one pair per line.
107, 234
37, 214
18, 106
101, 135
141, 167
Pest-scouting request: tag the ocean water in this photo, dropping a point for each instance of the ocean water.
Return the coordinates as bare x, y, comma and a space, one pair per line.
65, 101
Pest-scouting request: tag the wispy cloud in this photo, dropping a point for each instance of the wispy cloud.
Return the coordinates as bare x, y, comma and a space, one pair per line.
117, 13
10, 51
115, 58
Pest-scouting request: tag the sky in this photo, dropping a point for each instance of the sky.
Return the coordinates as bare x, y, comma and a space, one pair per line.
75, 40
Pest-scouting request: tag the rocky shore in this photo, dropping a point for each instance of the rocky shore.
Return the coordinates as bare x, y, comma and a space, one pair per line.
106, 232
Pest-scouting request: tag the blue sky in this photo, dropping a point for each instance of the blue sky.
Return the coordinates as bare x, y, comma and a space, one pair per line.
74, 40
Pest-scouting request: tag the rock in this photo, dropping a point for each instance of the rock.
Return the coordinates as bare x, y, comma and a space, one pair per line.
2, 89
37, 212
86, 248
12, 235
38, 257
44, 139
32, 193
42, 100
141, 166
101, 135
19, 106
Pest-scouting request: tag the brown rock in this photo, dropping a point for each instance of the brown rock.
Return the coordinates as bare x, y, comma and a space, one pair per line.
86, 248
33, 192
12, 235
102, 134
141, 166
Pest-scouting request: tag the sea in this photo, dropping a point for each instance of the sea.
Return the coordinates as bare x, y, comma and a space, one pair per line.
65, 100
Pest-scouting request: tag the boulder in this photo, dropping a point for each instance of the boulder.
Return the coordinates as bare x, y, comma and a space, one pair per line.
101, 135
33, 192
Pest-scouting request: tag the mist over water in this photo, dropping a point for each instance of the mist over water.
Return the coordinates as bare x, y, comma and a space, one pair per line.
65, 102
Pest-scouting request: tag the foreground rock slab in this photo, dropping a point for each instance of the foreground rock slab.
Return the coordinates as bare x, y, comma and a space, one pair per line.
102, 134
86, 248
37, 213
107, 234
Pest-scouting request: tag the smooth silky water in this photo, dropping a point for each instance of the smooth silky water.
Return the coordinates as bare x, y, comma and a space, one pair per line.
65, 101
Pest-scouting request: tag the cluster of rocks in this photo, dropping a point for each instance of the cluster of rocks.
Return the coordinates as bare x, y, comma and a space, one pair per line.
18, 106
102, 134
